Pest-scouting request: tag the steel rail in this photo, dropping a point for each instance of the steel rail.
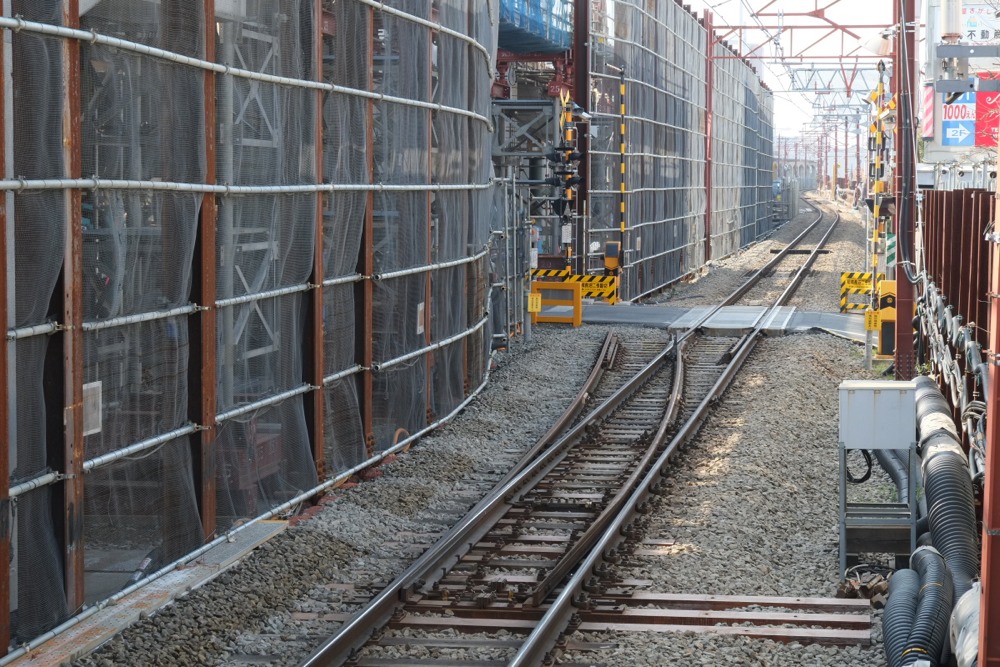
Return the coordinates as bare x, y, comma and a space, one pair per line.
560, 615
356, 631
582, 546
775, 260
439, 559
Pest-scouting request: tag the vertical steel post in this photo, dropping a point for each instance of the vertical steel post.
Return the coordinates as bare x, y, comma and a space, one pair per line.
581, 95
368, 262
709, 111
315, 401
6, 513
623, 167
836, 161
857, 157
429, 250
905, 74
203, 399
989, 610
73, 321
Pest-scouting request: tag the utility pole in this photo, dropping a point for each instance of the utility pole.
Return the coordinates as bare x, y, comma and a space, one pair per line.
904, 75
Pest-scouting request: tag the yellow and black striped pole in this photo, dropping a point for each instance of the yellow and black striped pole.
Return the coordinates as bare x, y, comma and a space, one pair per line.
622, 144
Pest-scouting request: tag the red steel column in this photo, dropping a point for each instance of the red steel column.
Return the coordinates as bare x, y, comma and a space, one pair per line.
315, 336
709, 110
904, 73
5, 508
368, 262
989, 619
203, 404
429, 359
73, 321
581, 95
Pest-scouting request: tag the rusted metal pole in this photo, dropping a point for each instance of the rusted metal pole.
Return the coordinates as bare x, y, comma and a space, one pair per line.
72, 336
429, 250
368, 263
203, 402
904, 73
989, 611
709, 111
315, 400
5, 467
581, 95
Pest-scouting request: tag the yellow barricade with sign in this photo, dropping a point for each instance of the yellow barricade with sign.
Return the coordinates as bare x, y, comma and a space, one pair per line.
856, 284
570, 294
598, 287
550, 273
593, 287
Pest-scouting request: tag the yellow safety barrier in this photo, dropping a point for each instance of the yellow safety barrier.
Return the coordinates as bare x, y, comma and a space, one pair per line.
601, 287
856, 283
572, 298
595, 287
550, 273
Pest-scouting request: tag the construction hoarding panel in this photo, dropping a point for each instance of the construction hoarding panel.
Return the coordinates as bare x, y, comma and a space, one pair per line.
285, 178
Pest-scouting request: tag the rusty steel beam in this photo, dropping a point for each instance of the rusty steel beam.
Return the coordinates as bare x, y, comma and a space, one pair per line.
72, 306
581, 95
989, 609
203, 399
429, 359
368, 265
709, 24
315, 334
5, 506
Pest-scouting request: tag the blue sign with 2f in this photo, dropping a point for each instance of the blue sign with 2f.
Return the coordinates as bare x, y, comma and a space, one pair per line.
958, 133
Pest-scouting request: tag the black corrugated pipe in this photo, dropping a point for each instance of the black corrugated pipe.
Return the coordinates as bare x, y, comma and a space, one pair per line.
896, 470
933, 411
927, 636
947, 487
900, 611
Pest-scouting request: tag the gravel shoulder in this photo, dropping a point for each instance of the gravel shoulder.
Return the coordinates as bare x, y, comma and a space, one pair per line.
752, 507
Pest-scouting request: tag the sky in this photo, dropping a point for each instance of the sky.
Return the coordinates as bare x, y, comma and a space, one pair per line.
792, 110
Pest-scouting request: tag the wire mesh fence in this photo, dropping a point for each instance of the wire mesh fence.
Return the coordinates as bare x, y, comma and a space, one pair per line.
256, 248
647, 169
274, 225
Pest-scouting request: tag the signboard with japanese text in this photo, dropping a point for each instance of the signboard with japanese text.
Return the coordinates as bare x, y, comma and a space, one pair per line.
971, 123
980, 24
958, 122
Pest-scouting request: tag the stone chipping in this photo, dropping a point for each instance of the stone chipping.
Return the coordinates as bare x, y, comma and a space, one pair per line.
752, 505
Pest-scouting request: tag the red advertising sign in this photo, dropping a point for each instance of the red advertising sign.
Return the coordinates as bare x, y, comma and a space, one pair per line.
987, 114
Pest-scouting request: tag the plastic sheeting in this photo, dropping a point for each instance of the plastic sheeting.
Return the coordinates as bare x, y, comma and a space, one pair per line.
536, 26
143, 120
38, 600
413, 229
662, 49
741, 155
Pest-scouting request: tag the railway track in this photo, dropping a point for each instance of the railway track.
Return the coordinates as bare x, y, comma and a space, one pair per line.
530, 557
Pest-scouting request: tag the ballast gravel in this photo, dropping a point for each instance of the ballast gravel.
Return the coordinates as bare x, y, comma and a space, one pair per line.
752, 506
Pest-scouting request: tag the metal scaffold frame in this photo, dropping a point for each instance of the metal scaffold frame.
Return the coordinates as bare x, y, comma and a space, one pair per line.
241, 382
